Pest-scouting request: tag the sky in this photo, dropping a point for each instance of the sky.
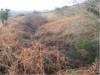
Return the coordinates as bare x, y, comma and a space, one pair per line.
29, 5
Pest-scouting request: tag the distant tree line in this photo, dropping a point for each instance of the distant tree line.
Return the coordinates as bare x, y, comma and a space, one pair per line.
61, 11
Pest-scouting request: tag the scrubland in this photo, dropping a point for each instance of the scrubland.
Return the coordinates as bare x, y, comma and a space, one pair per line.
36, 44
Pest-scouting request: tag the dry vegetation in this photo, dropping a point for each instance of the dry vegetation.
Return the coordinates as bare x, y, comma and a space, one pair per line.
31, 44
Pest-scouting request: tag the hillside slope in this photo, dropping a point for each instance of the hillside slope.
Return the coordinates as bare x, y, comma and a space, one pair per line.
61, 44
79, 24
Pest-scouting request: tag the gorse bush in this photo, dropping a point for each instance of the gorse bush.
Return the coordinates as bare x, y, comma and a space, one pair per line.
88, 50
87, 45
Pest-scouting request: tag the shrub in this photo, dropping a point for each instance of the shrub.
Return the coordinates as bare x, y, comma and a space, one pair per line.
4, 14
35, 20
87, 45
87, 49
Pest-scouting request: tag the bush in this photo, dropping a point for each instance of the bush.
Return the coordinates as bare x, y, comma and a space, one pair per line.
35, 20
88, 50
87, 45
4, 14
